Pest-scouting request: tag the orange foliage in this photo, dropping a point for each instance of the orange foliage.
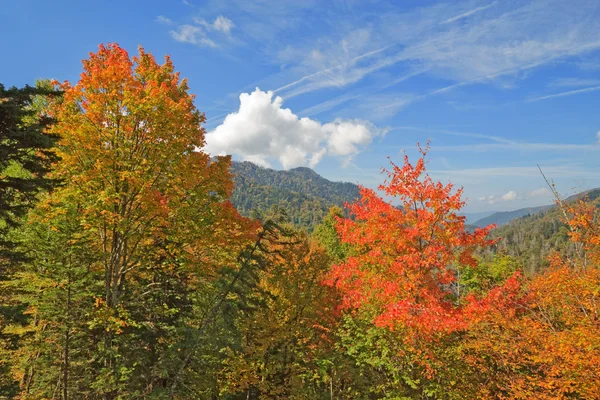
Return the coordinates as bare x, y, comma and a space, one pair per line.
551, 349
407, 257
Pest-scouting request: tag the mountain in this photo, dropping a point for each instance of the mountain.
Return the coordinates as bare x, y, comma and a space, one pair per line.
532, 238
504, 217
301, 192
473, 217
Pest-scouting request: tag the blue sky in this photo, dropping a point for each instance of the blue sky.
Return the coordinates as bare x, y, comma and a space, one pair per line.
497, 86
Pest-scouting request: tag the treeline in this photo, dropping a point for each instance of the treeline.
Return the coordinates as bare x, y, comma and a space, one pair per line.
127, 273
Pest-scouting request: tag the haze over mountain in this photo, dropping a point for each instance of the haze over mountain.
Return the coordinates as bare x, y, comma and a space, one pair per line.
504, 217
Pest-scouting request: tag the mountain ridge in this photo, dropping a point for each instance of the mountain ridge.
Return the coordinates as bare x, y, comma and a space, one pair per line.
502, 218
305, 195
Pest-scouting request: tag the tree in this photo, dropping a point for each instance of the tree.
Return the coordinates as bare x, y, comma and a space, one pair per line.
548, 348
50, 347
409, 256
25, 158
156, 207
285, 327
25, 153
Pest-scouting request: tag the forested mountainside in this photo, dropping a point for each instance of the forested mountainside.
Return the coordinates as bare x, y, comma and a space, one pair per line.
305, 196
532, 238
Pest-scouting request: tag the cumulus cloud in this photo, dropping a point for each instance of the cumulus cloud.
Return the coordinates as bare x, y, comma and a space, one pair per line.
262, 131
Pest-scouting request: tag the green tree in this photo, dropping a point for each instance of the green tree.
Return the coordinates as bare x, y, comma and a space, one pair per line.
25, 153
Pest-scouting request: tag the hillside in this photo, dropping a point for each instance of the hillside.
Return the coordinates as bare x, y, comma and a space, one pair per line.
532, 238
301, 192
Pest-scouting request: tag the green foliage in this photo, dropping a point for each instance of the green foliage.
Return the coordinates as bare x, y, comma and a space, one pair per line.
58, 292
25, 154
488, 274
326, 234
305, 196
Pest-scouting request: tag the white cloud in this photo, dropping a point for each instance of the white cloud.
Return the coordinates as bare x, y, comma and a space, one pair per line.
522, 147
468, 13
223, 24
192, 34
161, 19
202, 33
220, 24
541, 192
471, 174
262, 131
598, 137
510, 195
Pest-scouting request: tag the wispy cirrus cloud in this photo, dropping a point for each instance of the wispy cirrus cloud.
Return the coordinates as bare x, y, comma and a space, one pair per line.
573, 82
192, 34
468, 46
468, 13
520, 146
564, 94
497, 139
201, 33
161, 19
557, 171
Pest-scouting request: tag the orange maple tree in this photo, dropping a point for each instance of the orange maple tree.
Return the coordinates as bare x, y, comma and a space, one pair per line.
408, 258
129, 149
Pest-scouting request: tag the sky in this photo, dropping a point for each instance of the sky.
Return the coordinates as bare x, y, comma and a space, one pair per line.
497, 87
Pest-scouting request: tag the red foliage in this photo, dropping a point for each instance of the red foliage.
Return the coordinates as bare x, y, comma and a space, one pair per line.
407, 257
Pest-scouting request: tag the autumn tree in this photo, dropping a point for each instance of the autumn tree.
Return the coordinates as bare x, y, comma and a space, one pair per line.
409, 255
403, 276
156, 207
